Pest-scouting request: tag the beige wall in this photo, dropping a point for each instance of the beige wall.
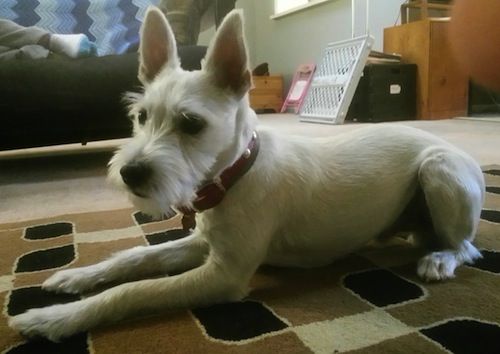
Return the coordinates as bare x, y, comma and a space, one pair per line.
301, 37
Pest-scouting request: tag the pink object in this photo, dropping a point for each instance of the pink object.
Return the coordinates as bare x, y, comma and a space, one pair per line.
298, 89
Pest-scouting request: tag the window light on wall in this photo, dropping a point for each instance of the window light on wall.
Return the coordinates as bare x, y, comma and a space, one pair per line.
286, 7
281, 6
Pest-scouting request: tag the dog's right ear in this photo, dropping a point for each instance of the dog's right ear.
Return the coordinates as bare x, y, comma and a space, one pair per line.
157, 46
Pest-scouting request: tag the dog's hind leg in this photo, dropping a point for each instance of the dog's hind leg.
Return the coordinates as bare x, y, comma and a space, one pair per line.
453, 186
132, 264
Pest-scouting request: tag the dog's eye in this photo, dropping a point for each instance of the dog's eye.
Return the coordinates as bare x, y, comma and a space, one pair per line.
191, 123
142, 117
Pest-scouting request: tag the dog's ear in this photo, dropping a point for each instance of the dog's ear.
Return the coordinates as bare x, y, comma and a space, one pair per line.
227, 58
157, 46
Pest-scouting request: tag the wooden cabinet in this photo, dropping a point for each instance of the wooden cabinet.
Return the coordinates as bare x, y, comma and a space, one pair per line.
267, 93
442, 89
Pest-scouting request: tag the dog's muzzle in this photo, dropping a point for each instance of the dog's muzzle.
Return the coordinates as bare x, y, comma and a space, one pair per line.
136, 175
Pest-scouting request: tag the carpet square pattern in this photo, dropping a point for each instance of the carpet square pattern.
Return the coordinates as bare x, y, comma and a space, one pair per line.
370, 302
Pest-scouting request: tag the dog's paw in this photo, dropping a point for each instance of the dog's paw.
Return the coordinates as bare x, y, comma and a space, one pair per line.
48, 322
437, 266
71, 281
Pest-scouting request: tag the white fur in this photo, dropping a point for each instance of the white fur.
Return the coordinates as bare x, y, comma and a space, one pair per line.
304, 203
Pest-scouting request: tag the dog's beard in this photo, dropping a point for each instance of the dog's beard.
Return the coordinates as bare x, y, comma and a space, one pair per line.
174, 181
153, 205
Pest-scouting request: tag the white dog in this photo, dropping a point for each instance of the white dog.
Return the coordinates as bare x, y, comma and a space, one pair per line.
265, 198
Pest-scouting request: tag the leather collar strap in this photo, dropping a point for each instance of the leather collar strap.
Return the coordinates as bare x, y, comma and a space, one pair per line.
212, 193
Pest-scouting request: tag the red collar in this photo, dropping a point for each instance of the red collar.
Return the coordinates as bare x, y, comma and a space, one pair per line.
212, 193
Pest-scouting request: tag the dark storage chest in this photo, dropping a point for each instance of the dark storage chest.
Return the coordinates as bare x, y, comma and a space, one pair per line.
386, 92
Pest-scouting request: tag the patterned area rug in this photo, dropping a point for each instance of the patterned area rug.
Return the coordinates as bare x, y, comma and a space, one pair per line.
370, 302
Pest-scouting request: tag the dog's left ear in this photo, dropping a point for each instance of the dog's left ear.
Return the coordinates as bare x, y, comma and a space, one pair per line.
227, 58
157, 46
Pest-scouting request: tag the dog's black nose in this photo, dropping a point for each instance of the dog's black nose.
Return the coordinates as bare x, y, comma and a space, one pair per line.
135, 174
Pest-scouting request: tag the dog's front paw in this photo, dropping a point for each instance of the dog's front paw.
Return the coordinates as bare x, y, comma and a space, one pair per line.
48, 322
71, 281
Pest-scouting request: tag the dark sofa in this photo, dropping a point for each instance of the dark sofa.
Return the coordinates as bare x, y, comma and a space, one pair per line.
60, 100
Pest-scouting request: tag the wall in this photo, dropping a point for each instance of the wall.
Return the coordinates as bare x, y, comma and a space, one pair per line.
301, 37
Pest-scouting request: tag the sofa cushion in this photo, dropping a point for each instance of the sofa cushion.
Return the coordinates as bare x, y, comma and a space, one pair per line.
61, 100
112, 24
